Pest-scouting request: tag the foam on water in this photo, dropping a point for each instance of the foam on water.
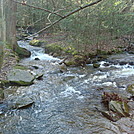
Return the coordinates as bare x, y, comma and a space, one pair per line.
36, 52
123, 72
69, 91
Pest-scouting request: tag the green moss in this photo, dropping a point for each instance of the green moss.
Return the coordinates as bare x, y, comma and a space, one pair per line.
70, 50
53, 48
70, 63
4, 83
95, 65
21, 83
37, 42
20, 67
22, 52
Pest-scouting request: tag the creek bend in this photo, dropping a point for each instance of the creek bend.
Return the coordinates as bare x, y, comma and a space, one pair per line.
65, 102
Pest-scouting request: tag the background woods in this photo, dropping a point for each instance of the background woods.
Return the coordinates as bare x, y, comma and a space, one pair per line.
102, 23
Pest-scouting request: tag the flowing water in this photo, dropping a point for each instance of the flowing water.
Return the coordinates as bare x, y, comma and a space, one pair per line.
65, 101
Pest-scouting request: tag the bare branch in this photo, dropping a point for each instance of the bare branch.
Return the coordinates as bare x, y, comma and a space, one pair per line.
38, 8
65, 16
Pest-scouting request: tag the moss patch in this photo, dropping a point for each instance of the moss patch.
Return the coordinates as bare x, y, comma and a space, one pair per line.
54, 48
20, 67
37, 42
22, 52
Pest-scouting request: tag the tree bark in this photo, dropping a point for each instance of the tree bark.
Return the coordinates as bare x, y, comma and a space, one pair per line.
7, 26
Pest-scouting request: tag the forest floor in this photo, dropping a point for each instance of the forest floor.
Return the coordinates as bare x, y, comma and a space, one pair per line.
112, 45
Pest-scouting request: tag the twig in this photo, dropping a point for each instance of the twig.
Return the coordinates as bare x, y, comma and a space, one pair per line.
38, 8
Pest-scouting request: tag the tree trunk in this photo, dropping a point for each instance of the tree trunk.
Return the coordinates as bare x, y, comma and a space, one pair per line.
7, 26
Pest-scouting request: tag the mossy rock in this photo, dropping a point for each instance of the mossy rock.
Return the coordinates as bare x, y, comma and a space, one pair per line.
96, 65
70, 62
76, 60
54, 48
37, 42
20, 77
22, 52
130, 89
70, 50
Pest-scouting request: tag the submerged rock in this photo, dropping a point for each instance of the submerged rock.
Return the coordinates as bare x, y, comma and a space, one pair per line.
20, 77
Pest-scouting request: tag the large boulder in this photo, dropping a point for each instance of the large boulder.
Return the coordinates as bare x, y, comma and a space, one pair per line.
20, 77
22, 52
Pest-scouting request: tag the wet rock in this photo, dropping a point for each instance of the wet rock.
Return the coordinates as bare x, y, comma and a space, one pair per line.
36, 59
20, 77
96, 65
35, 67
131, 98
39, 76
122, 63
131, 63
106, 64
67, 78
62, 67
130, 89
22, 102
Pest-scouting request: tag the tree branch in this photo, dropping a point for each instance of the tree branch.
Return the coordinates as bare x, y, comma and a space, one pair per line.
65, 16
38, 8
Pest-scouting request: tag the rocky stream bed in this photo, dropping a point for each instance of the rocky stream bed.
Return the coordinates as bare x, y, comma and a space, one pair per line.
65, 102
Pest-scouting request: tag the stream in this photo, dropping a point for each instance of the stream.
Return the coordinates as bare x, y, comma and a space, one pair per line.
65, 101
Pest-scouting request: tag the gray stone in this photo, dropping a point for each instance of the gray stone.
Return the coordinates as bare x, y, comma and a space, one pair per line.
20, 77
22, 102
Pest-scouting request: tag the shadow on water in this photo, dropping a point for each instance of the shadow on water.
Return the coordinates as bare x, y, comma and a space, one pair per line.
64, 102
